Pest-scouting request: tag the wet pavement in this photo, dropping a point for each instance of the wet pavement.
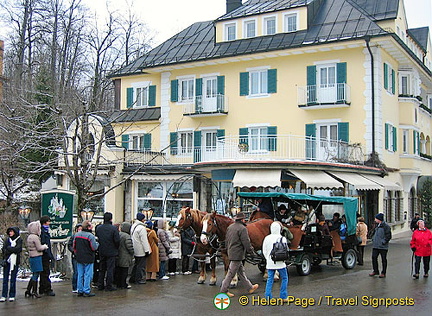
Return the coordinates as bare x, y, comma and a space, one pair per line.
328, 289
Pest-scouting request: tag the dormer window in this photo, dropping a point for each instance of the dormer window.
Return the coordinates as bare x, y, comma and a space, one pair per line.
269, 25
230, 31
249, 28
290, 22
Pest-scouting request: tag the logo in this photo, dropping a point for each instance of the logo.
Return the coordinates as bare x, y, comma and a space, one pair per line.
221, 301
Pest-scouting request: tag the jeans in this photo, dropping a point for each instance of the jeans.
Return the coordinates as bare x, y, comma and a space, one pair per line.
85, 276
235, 267
162, 271
45, 282
106, 267
426, 262
139, 270
283, 273
383, 253
74, 274
13, 275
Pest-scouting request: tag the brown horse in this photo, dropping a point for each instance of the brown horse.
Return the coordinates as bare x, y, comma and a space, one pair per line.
218, 224
188, 217
258, 215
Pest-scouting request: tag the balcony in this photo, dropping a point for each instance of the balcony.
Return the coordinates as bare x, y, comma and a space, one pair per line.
280, 148
324, 96
207, 106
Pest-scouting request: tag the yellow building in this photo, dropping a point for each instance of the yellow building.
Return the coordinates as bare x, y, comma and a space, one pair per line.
319, 96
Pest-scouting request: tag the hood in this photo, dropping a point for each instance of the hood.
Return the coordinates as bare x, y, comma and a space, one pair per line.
16, 231
34, 228
275, 228
126, 227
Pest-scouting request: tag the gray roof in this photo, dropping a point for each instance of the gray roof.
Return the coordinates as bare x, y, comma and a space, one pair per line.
420, 35
335, 20
253, 7
379, 9
134, 115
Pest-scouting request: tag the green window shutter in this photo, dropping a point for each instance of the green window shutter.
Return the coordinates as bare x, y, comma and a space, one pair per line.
311, 84
341, 69
173, 143
198, 88
147, 142
272, 80
221, 85
243, 139
394, 139
129, 98
393, 81
310, 141
386, 76
244, 83
125, 141
272, 138
197, 146
174, 90
343, 131
386, 131
220, 134
152, 96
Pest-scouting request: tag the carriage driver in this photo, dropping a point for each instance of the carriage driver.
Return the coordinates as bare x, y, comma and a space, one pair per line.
283, 216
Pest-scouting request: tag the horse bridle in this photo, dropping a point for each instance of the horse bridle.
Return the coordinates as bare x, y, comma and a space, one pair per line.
214, 226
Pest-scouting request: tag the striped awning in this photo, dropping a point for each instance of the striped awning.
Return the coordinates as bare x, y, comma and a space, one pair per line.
257, 178
317, 179
357, 180
385, 183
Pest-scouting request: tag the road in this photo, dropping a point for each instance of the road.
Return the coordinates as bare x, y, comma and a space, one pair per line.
328, 289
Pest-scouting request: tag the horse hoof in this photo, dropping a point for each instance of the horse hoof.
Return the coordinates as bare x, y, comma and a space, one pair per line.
212, 284
200, 281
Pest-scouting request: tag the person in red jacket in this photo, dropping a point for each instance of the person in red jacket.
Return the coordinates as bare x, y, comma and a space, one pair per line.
421, 245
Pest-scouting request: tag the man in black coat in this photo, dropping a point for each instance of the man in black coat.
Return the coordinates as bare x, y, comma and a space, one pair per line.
47, 257
109, 241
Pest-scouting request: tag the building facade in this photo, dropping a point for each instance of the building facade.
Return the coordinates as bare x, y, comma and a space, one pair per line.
327, 97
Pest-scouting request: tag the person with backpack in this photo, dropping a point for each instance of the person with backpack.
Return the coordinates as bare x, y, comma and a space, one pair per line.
275, 245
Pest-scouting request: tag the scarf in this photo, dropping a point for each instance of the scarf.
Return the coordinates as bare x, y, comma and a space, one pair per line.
13, 257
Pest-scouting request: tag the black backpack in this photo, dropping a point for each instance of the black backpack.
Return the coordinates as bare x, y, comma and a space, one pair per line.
280, 251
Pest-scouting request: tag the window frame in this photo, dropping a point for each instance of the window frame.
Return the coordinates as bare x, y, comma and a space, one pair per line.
227, 32
260, 139
265, 26
189, 81
246, 29
185, 136
138, 99
261, 82
286, 23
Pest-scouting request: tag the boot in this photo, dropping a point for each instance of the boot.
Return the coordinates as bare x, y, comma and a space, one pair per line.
29, 288
35, 293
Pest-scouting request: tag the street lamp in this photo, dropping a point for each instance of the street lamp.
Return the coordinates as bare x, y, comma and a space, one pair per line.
148, 213
24, 213
235, 210
87, 214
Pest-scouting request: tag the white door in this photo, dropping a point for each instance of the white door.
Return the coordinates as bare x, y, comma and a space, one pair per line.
210, 94
209, 145
327, 84
327, 135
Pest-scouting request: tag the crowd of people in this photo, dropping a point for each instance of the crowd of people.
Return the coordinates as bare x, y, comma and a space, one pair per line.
103, 256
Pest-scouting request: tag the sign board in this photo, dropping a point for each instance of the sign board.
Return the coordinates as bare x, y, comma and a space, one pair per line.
59, 206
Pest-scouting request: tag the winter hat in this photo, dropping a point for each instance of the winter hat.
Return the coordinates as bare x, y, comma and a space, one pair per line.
140, 216
149, 224
380, 216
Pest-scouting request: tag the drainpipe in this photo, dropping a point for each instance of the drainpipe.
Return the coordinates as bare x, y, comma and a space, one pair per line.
367, 39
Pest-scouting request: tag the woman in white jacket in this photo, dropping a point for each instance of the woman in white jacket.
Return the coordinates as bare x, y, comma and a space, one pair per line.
272, 267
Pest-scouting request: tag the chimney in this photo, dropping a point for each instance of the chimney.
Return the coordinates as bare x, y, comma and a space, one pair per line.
231, 5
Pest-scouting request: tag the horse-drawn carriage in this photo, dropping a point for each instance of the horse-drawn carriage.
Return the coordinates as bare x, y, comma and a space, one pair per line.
310, 246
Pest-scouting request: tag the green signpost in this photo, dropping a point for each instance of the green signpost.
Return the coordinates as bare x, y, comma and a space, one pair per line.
59, 206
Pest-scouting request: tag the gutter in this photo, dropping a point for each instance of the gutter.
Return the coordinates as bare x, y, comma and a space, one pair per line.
367, 40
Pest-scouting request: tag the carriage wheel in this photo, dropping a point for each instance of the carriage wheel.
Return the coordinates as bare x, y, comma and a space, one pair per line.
304, 268
349, 259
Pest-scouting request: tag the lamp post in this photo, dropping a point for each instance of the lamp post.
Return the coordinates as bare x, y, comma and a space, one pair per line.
148, 214
87, 214
235, 210
24, 213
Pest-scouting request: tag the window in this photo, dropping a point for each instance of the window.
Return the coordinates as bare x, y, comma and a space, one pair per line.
142, 96
258, 139
230, 32
405, 141
327, 83
290, 22
405, 88
429, 101
186, 89
269, 25
185, 145
258, 82
390, 137
389, 79
137, 141
249, 28
174, 194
